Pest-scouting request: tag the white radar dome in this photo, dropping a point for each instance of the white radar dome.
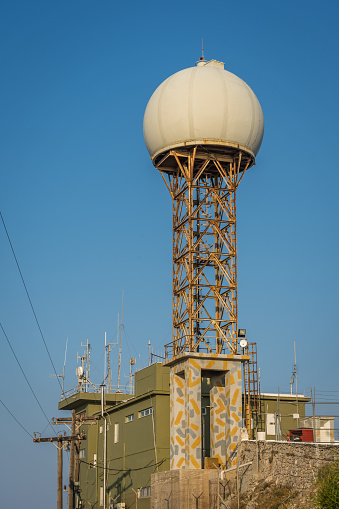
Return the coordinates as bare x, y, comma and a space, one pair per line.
203, 105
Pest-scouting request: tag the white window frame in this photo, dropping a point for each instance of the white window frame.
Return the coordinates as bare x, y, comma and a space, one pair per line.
129, 418
116, 432
145, 412
144, 492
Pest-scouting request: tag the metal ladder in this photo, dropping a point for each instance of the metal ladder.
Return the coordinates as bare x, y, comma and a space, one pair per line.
251, 389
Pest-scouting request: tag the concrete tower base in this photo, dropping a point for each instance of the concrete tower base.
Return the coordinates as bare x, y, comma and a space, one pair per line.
224, 372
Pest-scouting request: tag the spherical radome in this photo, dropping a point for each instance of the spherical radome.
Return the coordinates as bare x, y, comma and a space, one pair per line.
203, 104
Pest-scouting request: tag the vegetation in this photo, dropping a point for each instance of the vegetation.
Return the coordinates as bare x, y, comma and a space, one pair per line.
327, 496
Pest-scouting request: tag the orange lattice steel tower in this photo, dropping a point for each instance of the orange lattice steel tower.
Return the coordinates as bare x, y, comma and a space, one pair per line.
203, 127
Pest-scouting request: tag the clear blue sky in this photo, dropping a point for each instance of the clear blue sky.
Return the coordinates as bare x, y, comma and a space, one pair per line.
89, 216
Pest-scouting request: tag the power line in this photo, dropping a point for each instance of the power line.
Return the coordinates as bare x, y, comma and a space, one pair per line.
117, 470
28, 433
24, 374
36, 319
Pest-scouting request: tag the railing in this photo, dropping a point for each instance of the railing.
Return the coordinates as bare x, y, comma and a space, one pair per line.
95, 388
172, 350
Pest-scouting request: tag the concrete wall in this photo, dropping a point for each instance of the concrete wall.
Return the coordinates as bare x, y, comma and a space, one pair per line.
184, 489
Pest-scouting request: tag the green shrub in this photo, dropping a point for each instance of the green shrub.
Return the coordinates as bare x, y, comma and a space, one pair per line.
327, 496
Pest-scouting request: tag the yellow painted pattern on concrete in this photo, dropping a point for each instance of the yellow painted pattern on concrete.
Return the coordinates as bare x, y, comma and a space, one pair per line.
180, 400
236, 417
191, 383
180, 382
180, 462
235, 397
194, 462
219, 458
220, 422
194, 426
195, 406
220, 435
231, 379
196, 442
180, 441
195, 364
178, 419
210, 364
221, 406
234, 431
239, 374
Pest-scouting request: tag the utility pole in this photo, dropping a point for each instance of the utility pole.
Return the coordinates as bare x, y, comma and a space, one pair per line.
76, 472
60, 439
75, 422
59, 478
71, 466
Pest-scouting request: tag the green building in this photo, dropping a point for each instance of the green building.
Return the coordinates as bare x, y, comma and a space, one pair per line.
281, 413
136, 431
137, 440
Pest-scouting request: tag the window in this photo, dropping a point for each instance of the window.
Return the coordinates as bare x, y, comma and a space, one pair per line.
147, 411
116, 432
82, 454
101, 495
101, 429
129, 418
144, 492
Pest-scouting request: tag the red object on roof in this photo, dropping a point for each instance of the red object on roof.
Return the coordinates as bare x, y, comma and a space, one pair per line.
300, 435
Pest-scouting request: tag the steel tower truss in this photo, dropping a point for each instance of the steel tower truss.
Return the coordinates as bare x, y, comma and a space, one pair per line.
203, 182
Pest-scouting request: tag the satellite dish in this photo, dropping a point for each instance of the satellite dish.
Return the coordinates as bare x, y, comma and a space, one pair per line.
243, 343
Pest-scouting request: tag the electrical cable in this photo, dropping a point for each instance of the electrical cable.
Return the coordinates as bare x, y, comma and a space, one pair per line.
35, 316
24, 374
129, 339
28, 433
117, 470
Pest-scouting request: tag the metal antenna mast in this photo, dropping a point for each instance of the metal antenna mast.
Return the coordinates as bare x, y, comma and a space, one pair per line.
63, 369
63, 372
294, 373
109, 347
121, 326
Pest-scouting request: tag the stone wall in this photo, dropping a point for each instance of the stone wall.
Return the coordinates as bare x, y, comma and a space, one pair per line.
284, 463
294, 464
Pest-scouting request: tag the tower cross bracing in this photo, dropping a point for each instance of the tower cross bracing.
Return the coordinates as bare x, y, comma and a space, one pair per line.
202, 182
